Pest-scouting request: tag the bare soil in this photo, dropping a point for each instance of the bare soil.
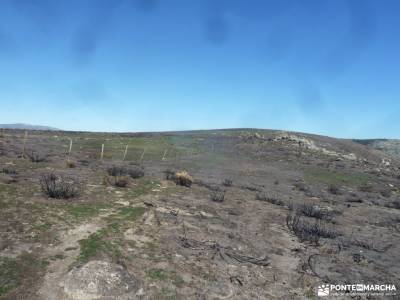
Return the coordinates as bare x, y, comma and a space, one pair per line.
154, 239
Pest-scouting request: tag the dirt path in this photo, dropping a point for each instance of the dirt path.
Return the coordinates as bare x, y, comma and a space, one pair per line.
68, 250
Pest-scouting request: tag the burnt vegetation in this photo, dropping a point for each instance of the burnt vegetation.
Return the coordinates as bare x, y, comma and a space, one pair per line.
58, 187
218, 196
36, 157
270, 199
313, 211
135, 171
309, 231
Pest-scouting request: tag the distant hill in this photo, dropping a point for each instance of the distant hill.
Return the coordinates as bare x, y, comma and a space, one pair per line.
26, 127
389, 146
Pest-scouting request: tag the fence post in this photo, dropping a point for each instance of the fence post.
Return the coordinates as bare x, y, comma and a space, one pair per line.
165, 153
102, 152
125, 152
141, 157
70, 147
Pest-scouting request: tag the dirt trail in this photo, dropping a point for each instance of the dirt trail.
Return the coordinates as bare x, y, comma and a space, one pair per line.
68, 247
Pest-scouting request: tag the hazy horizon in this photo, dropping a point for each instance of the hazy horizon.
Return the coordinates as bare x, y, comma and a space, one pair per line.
321, 67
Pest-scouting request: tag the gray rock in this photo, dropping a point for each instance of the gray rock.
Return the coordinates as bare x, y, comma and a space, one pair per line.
100, 280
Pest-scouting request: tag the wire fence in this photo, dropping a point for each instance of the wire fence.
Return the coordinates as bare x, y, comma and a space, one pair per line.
117, 148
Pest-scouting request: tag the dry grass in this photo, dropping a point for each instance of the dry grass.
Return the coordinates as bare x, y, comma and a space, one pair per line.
70, 164
183, 178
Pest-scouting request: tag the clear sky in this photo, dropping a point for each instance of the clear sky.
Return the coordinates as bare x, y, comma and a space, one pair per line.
329, 67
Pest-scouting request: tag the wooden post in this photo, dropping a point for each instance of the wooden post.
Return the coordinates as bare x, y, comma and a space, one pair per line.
165, 153
141, 157
102, 152
125, 152
70, 147
24, 145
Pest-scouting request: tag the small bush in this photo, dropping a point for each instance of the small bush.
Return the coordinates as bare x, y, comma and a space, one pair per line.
9, 171
132, 171
169, 174
227, 182
183, 178
307, 231
117, 171
58, 187
267, 198
218, 196
136, 171
36, 157
314, 211
70, 164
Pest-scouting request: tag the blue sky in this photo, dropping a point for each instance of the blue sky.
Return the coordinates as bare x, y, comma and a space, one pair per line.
325, 67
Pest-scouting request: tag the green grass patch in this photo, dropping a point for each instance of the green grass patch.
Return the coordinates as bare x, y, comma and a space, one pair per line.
143, 186
157, 274
84, 210
42, 227
17, 271
131, 213
7, 188
337, 177
95, 245
164, 275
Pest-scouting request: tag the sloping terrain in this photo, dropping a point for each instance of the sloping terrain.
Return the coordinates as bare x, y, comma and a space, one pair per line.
268, 215
389, 146
26, 127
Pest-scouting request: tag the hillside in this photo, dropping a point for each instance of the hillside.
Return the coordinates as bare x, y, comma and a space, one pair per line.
26, 127
260, 214
389, 146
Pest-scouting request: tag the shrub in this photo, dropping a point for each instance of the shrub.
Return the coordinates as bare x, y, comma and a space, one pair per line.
117, 171
267, 198
307, 231
58, 187
9, 171
70, 164
136, 171
314, 211
218, 196
169, 174
36, 157
227, 182
133, 171
183, 178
